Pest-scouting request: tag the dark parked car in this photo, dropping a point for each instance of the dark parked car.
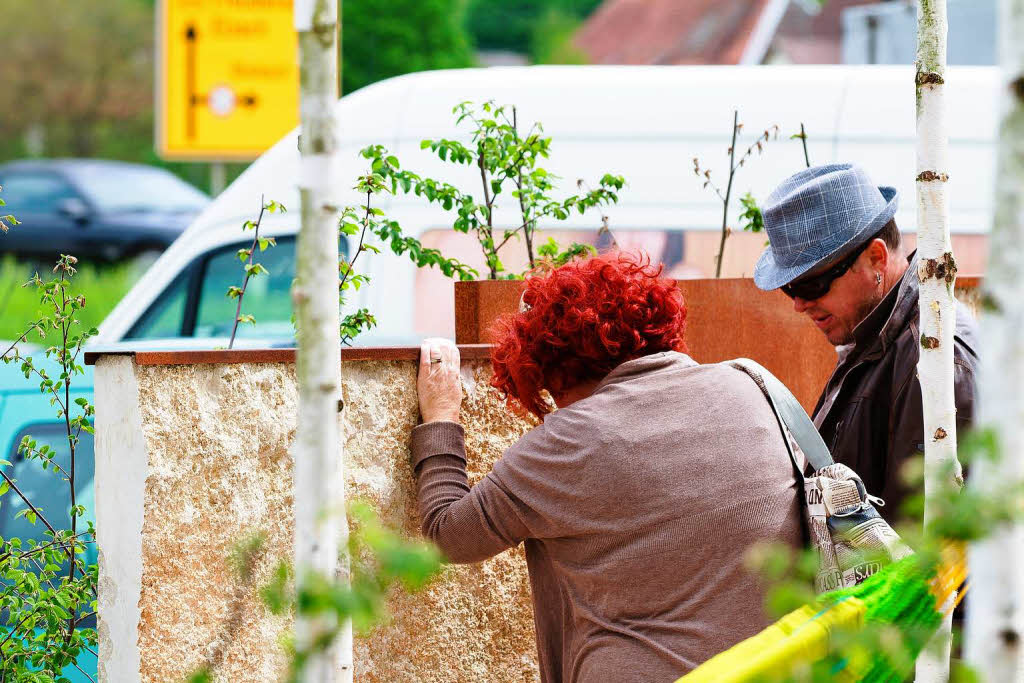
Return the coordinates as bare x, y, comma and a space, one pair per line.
93, 208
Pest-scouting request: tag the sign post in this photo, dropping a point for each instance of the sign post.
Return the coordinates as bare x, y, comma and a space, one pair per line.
228, 78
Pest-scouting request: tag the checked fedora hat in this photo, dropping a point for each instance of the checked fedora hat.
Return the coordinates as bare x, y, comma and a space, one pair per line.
818, 216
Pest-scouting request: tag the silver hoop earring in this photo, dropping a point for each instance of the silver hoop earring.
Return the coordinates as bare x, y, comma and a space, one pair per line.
878, 278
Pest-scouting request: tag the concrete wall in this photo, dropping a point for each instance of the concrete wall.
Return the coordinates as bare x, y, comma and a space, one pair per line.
191, 459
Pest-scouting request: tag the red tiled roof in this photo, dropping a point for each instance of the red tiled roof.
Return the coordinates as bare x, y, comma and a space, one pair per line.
669, 31
706, 31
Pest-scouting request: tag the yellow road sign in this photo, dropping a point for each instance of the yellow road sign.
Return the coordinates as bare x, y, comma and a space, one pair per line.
228, 77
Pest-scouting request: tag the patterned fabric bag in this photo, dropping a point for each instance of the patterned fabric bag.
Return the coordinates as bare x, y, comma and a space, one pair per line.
852, 539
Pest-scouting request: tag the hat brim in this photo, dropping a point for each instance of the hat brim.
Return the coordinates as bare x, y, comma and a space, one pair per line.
770, 275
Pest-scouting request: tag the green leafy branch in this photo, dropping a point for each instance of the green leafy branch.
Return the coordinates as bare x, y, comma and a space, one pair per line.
8, 221
367, 220
503, 156
48, 589
252, 269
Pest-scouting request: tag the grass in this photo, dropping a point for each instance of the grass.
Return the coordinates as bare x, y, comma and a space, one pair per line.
102, 284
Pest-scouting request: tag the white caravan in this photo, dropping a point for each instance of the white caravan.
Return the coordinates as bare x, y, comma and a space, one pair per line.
645, 123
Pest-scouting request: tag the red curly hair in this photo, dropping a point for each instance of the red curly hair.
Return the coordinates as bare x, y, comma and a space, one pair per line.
580, 321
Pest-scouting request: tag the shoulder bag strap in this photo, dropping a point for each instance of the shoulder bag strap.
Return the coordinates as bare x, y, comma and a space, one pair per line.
790, 413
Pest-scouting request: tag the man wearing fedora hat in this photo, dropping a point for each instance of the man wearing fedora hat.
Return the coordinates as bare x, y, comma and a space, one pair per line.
836, 251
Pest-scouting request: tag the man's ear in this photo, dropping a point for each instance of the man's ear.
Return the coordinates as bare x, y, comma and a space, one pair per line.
878, 254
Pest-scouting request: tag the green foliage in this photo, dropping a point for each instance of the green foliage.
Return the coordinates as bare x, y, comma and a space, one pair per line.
83, 72
751, 218
380, 559
551, 39
102, 285
48, 589
507, 161
412, 35
554, 255
8, 221
902, 614
252, 269
367, 220
80, 72
514, 24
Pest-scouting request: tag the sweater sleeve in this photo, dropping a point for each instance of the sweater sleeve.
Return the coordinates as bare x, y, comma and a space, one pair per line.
468, 525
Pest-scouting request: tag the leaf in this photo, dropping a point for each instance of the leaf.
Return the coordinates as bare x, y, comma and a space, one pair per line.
751, 219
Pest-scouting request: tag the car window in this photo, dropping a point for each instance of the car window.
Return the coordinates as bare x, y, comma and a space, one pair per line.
47, 490
35, 192
195, 304
166, 317
267, 296
152, 189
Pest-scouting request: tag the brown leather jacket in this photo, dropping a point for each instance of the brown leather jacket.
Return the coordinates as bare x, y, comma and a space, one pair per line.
870, 412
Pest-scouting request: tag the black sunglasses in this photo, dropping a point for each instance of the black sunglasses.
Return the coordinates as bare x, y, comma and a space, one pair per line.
816, 287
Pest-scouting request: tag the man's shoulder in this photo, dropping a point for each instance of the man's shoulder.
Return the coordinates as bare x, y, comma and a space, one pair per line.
966, 336
905, 349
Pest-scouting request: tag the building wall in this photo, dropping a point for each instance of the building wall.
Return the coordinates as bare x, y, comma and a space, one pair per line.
205, 451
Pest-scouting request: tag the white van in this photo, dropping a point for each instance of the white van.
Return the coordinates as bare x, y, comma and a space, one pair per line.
645, 123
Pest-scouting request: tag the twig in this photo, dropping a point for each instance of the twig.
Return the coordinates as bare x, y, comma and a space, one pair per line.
490, 211
803, 139
39, 515
14, 630
527, 231
83, 671
362, 238
49, 461
62, 542
20, 339
728, 193
245, 283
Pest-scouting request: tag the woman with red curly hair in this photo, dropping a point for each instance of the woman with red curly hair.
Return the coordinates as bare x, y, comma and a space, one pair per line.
637, 499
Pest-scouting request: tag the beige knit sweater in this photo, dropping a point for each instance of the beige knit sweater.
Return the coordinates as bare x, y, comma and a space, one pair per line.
636, 505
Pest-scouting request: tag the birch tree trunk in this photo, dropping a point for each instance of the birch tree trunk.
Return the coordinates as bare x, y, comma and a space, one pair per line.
936, 275
321, 527
995, 613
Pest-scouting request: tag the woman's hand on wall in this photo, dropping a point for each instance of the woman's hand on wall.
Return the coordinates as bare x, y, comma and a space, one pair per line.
438, 385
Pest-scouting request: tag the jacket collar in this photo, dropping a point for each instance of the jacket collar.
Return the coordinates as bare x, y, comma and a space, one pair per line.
890, 317
644, 365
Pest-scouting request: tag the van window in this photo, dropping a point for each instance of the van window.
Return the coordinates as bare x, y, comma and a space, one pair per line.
195, 304
166, 316
47, 490
267, 296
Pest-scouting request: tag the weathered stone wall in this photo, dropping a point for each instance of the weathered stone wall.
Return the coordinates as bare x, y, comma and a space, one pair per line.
216, 446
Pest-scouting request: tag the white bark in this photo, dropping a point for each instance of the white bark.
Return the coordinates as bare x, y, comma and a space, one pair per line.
321, 528
995, 613
936, 274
